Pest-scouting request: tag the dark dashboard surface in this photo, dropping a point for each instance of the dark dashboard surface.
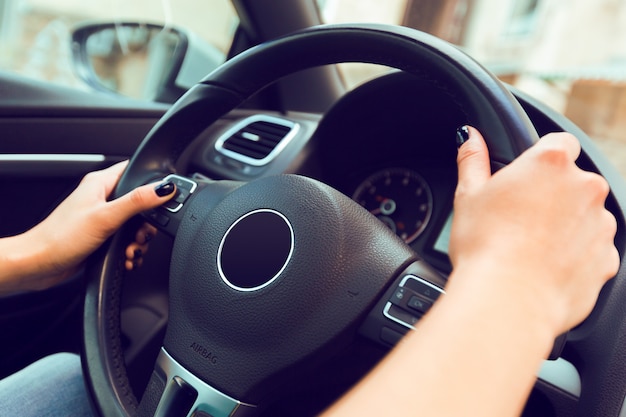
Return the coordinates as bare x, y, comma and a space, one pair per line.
390, 142
395, 129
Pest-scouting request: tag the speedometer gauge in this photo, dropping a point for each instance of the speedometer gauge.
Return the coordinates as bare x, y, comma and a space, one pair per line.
398, 197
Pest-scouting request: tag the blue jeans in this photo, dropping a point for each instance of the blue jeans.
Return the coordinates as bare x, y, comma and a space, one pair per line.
50, 387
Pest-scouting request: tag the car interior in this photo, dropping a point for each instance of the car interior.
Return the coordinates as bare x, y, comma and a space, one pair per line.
272, 143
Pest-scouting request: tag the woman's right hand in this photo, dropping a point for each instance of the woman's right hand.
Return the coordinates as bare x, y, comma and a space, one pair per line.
537, 230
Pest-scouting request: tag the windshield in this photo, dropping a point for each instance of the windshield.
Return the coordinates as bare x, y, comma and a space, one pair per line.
568, 54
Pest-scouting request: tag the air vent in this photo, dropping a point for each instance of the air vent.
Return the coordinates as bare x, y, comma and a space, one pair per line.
256, 140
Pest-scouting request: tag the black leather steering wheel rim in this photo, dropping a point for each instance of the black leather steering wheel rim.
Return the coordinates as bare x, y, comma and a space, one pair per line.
487, 103
490, 105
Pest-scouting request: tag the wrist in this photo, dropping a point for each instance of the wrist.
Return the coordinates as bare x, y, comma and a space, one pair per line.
480, 320
25, 263
516, 308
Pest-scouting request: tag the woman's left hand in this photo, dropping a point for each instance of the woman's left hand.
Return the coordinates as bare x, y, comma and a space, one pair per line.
54, 249
136, 250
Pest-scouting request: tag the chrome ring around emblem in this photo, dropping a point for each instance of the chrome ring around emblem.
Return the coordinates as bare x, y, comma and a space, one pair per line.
255, 250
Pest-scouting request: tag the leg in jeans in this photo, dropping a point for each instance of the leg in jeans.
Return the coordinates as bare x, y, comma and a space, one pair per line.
51, 387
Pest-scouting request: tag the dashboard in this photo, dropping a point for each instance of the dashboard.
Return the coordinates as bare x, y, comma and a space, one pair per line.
388, 144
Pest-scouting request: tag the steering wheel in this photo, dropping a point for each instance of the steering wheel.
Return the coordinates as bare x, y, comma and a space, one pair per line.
273, 277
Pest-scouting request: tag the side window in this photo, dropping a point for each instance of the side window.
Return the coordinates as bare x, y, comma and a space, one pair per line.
35, 35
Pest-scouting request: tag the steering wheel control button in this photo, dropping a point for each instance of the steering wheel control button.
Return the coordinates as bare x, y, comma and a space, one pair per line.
255, 250
419, 304
159, 218
412, 299
399, 315
399, 295
184, 188
390, 336
422, 288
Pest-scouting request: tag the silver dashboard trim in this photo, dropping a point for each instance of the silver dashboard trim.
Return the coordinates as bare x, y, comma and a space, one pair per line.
219, 144
563, 375
52, 158
209, 400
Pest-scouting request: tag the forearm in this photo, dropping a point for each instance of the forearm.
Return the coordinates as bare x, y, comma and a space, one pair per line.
463, 359
25, 264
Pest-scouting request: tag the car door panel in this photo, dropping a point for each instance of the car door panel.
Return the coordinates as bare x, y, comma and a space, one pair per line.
50, 137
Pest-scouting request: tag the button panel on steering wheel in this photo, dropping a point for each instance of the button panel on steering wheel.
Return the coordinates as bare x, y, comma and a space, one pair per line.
184, 188
168, 216
411, 300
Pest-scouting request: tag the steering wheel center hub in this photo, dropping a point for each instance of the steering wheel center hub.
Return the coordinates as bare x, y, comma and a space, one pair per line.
255, 250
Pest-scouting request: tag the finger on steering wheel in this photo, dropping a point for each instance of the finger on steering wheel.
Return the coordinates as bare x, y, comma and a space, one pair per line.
139, 247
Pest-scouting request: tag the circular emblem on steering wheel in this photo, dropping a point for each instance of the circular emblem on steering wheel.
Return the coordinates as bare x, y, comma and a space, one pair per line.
255, 250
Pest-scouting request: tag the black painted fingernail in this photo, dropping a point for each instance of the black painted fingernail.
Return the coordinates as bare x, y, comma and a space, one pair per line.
147, 238
462, 136
165, 188
137, 254
135, 264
